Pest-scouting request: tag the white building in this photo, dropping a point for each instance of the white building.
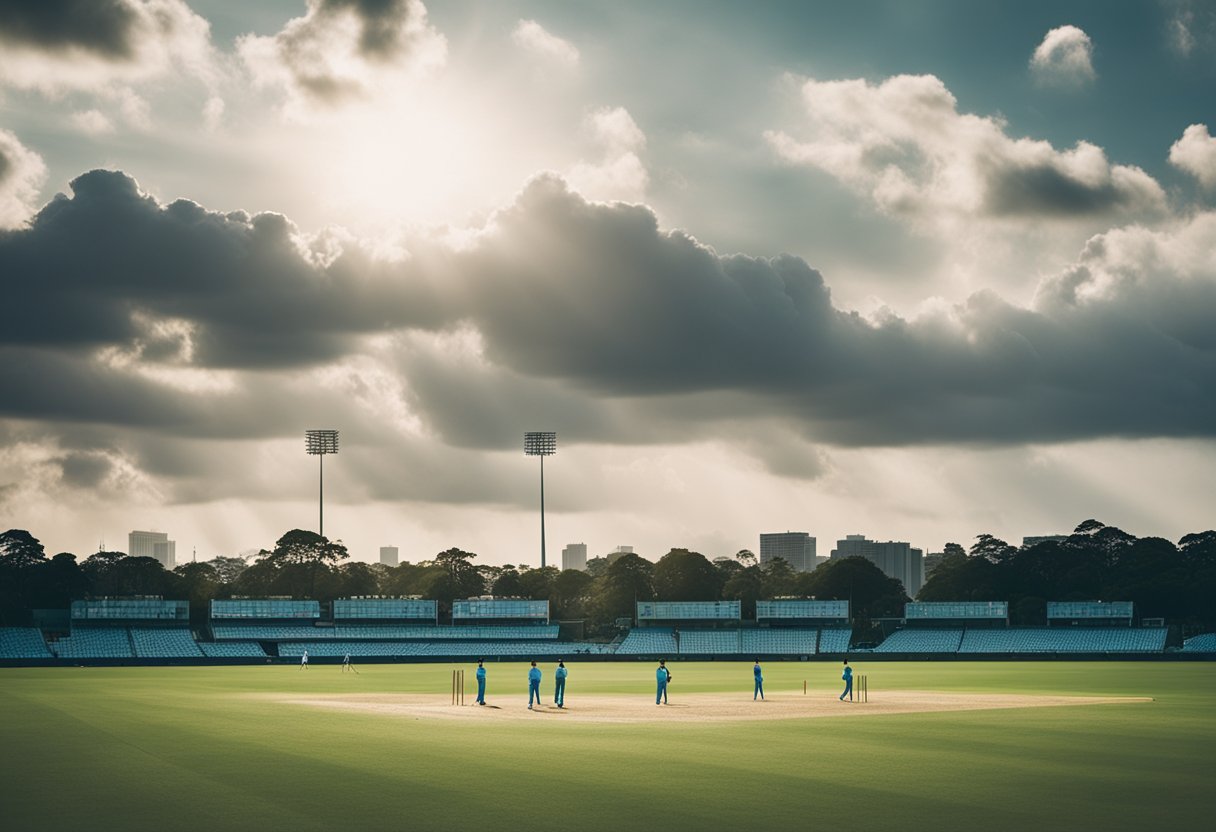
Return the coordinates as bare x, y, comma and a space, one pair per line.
795, 548
388, 555
574, 556
153, 545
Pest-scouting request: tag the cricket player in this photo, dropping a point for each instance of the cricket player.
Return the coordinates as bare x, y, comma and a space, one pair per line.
481, 682
533, 685
559, 690
662, 676
759, 691
304, 661
848, 681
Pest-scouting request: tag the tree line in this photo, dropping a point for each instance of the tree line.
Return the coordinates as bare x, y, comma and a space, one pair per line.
1096, 562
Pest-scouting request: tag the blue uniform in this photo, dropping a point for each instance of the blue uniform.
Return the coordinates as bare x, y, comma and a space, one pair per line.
759, 691
481, 686
533, 686
559, 691
848, 682
660, 677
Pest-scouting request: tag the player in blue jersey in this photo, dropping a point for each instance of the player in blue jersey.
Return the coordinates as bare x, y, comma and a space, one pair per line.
481, 683
533, 685
559, 689
759, 690
848, 681
662, 676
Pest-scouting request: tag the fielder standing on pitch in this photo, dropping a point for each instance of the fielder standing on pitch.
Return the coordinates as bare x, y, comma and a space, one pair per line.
848, 680
533, 685
662, 676
481, 683
759, 690
559, 688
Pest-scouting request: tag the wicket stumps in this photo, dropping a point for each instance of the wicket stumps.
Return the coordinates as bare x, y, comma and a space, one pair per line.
457, 687
860, 690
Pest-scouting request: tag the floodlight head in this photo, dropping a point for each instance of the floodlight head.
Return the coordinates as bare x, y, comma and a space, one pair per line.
321, 441
540, 443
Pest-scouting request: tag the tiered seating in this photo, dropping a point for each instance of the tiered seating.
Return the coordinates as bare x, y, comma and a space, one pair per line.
94, 644
350, 632
22, 643
232, 649
693, 642
794, 641
1070, 640
174, 643
471, 649
648, 641
1205, 643
834, 641
922, 641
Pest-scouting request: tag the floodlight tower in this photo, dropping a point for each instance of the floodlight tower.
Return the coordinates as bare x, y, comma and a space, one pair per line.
541, 443
320, 443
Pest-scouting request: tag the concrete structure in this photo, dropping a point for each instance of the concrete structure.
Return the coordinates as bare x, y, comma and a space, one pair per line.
796, 548
618, 551
1043, 538
896, 559
153, 545
388, 555
574, 556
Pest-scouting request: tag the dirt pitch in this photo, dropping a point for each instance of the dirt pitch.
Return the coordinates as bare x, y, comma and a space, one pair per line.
693, 707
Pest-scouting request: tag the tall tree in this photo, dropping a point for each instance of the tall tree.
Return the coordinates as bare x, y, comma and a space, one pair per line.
302, 553
681, 575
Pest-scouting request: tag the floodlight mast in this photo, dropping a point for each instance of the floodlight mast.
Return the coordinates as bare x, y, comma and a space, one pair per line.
320, 443
541, 443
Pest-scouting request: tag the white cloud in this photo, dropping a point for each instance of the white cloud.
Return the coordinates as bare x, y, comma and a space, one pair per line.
22, 173
213, 112
94, 46
342, 49
1064, 58
904, 144
533, 37
620, 173
1195, 153
92, 122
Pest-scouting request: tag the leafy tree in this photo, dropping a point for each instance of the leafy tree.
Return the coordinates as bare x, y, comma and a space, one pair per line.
779, 578
228, 569
992, 549
953, 549
537, 584
627, 581
570, 591
20, 550
21, 555
301, 556
356, 578
508, 585
681, 575
58, 582
459, 578
597, 567
871, 593
747, 585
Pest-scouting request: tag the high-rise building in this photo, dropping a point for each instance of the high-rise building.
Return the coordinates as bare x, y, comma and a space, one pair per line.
574, 556
796, 548
388, 555
896, 559
153, 545
618, 551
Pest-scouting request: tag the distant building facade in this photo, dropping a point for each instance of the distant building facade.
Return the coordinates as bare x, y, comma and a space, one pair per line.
616, 553
1034, 540
388, 555
153, 545
795, 548
896, 559
574, 556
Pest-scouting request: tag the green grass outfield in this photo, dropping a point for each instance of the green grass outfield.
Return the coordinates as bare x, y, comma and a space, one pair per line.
184, 749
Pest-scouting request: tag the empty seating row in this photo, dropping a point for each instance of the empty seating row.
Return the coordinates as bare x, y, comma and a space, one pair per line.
162, 643
648, 641
922, 641
1065, 640
232, 649
347, 632
94, 644
22, 643
801, 642
835, 640
470, 649
691, 642
1205, 643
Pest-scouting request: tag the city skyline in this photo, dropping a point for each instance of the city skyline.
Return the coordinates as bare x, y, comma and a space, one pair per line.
915, 271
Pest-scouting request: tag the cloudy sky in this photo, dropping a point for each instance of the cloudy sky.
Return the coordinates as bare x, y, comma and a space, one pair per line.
913, 270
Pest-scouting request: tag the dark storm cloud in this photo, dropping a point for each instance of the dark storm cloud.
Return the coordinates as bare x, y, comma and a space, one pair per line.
84, 470
105, 266
104, 27
586, 318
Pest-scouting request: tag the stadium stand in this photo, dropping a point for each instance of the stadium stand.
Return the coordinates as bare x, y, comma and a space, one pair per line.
232, 649
1065, 640
766, 642
350, 632
921, 641
164, 643
94, 644
1205, 643
835, 641
470, 649
710, 642
22, 643
648, 641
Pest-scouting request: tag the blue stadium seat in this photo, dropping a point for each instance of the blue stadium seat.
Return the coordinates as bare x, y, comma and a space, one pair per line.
22, 643
176, 643
921, 641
